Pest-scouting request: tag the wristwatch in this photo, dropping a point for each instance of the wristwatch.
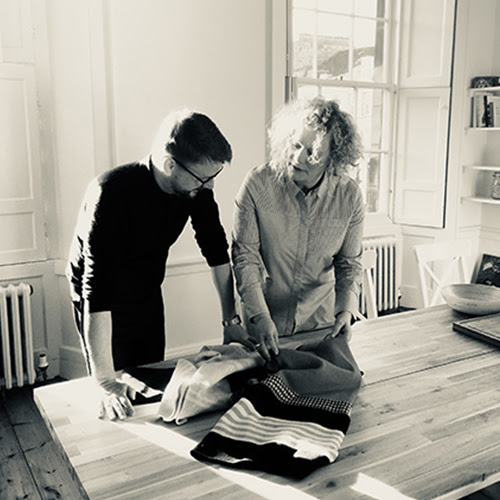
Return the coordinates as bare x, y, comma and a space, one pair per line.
233, 321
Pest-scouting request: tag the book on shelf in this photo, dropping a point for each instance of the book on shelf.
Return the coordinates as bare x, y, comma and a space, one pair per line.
493, 102
485, 109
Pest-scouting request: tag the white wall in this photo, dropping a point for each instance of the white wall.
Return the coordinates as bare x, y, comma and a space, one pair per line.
207, 55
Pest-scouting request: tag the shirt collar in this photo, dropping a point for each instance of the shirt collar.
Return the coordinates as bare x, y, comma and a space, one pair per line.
326, 185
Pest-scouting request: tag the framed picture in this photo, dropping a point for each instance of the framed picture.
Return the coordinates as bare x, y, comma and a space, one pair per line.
489, 270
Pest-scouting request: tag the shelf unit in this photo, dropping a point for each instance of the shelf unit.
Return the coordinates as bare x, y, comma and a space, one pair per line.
481, 199
477, 198
472, 92
479, 175
482, 89
484, 129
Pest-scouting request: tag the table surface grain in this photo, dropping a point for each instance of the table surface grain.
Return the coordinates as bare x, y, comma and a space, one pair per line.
426, 425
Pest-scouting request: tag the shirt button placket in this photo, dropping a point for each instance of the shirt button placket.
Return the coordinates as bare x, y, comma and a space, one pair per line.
302, 239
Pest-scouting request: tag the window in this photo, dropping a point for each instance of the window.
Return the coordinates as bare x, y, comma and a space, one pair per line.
340, 49
388, 63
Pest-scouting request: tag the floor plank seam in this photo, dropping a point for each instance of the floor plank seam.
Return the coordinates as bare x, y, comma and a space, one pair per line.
25, 458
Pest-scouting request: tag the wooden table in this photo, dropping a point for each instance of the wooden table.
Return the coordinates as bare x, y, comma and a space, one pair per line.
426, 425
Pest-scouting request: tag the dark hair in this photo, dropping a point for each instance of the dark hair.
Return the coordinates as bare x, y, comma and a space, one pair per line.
192, 137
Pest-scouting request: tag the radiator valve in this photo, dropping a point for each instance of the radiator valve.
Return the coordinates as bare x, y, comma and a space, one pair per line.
43, 365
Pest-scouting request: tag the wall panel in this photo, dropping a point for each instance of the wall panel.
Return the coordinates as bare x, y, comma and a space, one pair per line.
21, 208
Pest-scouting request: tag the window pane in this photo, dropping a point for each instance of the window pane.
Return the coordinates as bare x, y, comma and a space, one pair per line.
369, 178
344, 96
373, 183
334, 33
339, 6
370, 109
368, 50
308, 4
370, 8
304, 29
307, 91
369, 174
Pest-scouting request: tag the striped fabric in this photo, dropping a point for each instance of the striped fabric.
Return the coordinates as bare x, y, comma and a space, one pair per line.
310, 440
287, 425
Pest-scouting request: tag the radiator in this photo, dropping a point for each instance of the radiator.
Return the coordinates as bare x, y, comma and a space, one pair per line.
385, 273
17, 365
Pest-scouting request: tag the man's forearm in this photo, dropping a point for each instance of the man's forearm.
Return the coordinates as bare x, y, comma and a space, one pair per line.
98, 338
223, 279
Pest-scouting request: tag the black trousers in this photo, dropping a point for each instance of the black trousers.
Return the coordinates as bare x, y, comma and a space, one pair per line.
137, 336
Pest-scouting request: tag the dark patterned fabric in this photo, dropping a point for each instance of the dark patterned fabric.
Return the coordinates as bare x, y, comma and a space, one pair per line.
294, 420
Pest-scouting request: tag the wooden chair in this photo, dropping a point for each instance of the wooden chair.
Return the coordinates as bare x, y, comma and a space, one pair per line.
368, 260
450, 258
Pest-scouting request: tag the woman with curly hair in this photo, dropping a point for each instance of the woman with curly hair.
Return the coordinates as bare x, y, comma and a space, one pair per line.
298, 226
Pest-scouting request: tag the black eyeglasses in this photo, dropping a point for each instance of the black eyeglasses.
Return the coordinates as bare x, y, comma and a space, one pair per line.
199, 179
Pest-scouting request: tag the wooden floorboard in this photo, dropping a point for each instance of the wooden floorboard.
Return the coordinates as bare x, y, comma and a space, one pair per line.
16, 478
30, 459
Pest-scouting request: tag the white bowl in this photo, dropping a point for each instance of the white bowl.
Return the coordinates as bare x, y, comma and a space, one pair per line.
472, 298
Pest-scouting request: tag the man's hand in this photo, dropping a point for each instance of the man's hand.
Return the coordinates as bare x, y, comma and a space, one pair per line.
235, 333
264, 335
115, 402
118, 394
342, 325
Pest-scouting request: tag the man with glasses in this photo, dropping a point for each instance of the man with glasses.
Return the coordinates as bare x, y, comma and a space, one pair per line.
129, 219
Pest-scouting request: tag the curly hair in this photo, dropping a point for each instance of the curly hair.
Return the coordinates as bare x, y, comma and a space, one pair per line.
324, 116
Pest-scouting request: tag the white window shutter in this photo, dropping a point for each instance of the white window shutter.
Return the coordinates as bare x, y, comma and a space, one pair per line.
16, 38
423, 112
420, 160
426, 43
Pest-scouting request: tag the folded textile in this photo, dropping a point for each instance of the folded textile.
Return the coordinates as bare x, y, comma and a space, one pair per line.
203, 384
156, 378
295, 419
148, 382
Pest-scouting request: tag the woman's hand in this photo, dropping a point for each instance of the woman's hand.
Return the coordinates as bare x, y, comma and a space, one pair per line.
342, 325
264, 335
